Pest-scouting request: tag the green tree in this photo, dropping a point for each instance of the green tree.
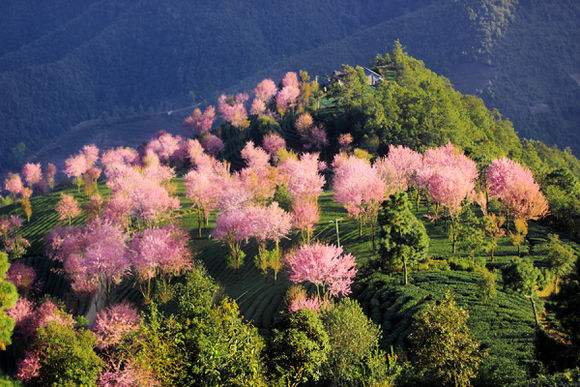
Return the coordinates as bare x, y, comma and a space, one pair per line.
197, 294
522, 276
487, 283
442, 345
67, 356
470, 233
355, 357
160, 347
299, 348
227, 351
492, 225
403, 238
561, 257
8, 297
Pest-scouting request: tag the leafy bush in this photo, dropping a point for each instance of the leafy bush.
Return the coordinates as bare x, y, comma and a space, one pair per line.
299, 348
354, 357
442, 344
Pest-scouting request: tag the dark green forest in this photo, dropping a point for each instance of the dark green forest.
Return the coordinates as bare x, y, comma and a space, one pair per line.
71, 62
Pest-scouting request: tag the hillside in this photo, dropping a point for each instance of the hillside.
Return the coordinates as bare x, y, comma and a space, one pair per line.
76, 61
400, 224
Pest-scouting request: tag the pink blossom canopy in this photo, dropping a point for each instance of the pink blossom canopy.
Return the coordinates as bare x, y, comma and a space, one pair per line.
32, 173
202, 121
21, 275
161, 250
13, 184
90, 253
515, 187
357, 186
449, 176
301, 177
212, 144
287, 97
265, 90
323, 265
302, 302
233, 110
272, 143
114, 323
67, 207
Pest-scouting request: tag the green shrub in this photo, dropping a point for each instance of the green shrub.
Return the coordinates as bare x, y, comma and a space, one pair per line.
299, 348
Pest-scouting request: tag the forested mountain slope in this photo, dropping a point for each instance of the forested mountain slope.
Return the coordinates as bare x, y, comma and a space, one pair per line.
63, 62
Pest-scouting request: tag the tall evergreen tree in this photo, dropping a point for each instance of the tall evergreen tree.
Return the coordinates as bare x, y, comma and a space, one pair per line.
403, 238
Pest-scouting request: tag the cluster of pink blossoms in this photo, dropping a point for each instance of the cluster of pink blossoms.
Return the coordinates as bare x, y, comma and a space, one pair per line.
161, 250
21, 275
233, 110
258, 177
273, 143
448, 176
357, 186
398, 169
212, 144
29, 319
323, 265
13, 184
67, 208
32, 173
260, 222
164, 145
202, 121
141, 192
303, 302
515, 187
114, 323
91, 254
288, 96
77, 165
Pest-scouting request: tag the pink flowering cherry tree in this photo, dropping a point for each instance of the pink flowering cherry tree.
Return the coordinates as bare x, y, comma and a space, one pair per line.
159, 251
514, 186
93, 255
398, 168
358, 187
77, 165
268, 224
449, 178
325, 266
201, 188
22, 276
265, 90
67, 208
304, 183
139, 195
32, 173
13, 184
201, 121
259, 177
114, 323
212, 144
233, 228
233, 110
273, 143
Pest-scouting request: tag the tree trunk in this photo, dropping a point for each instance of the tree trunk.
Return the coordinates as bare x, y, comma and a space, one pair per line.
337, 232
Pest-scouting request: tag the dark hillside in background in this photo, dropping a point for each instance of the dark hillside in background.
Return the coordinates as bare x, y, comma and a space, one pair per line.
63, 62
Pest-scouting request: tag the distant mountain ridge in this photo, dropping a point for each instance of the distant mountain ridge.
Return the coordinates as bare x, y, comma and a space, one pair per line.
76, 61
